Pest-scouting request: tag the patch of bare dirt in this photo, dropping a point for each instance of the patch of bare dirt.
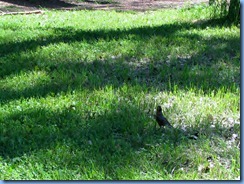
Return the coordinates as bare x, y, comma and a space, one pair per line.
7, 6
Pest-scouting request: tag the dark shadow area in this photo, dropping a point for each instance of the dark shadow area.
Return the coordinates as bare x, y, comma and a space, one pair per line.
43, 3
111, 140
69, 35
119, 5
107, 2
81, 75
122, 70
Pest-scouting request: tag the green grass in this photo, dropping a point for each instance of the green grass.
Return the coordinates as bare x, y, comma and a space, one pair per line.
78, 92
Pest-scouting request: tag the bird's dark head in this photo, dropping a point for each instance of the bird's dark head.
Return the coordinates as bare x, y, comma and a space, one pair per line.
159, 109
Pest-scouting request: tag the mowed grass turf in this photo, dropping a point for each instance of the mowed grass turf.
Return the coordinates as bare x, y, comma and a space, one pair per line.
78, 91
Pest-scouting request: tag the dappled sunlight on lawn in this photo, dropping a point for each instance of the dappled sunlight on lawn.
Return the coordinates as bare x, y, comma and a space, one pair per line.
78, 91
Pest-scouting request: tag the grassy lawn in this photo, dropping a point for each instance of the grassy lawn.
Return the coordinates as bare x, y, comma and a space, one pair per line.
78, 91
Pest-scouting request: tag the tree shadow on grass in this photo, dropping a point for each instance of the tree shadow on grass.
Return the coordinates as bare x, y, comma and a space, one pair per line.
156, 73
69, 35
71, 76
122, 138
111, 141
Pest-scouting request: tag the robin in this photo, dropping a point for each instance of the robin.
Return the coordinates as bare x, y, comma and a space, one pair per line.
162, 121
